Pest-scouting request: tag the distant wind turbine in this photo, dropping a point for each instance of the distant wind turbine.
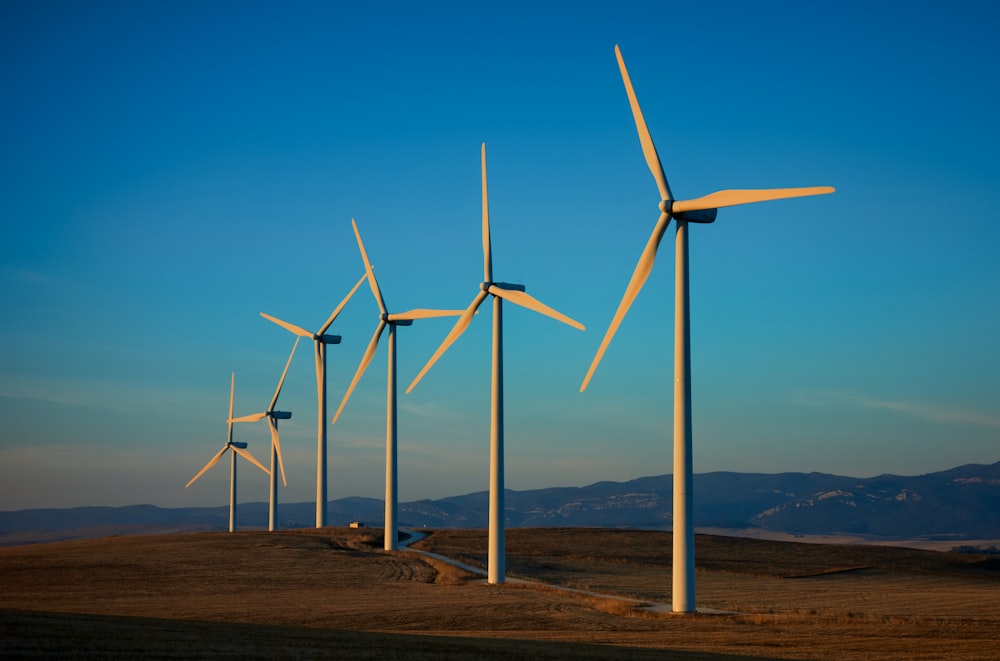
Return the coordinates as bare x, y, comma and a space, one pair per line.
237, 449
392, 320
272, 422
320, 340
699, 210
496, 570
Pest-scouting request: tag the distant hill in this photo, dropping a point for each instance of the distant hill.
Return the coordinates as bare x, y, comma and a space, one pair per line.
958, 504
961, 503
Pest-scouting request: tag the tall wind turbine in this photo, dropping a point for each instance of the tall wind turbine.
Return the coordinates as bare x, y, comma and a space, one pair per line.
320, 340
392, 320
698, 210
237, 449
500, 291
272, 422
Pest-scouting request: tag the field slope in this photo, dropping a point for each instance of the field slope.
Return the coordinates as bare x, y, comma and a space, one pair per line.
332, 592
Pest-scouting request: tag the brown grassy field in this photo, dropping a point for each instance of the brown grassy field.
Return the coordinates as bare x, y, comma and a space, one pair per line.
333, 592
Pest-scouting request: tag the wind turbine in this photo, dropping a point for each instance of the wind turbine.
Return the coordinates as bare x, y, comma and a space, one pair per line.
237, 449
698, 210
500, 291
392, 320
272, 422
320, 340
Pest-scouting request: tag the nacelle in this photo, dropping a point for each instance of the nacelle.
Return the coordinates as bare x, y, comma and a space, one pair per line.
330, 339
239, 444
281, 415
509, 286
698, 215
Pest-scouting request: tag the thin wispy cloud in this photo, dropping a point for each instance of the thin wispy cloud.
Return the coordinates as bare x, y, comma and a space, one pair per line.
935, 413
359, 441
431, 410
921, 410
98, 394
31, 277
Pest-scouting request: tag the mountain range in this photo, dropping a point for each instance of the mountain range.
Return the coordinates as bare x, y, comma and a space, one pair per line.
962, 503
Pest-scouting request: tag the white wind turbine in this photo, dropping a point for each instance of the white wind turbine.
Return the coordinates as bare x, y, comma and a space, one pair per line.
237, 449
320, 340
698, 210
496, 569
392, 320
272, 422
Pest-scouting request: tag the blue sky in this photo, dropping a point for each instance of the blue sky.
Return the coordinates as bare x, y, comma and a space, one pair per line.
170, 170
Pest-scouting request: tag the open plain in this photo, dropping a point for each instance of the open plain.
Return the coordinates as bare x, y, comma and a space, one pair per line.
334, 592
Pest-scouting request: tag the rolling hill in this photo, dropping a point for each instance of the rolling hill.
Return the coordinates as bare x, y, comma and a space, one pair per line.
962, 503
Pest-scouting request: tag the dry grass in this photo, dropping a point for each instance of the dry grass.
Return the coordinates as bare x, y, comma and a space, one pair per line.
333, 592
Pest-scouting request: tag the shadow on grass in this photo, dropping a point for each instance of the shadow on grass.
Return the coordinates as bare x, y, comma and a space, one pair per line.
34, 635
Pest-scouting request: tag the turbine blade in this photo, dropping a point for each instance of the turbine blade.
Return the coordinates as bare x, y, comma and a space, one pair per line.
729, 198
372, 282
232, 389
319, 353
340, 307
276, 442
249, 457
211, 462
532, 303
648, 148
253, 417
639, 276
362, 366
423, 313
487, 252
456, 330
297, 330
281, 381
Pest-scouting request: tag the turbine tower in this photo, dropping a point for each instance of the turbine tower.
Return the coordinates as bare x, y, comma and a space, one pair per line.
392, 320
272, 422
698, 210
237, 449
500, 291
320, 340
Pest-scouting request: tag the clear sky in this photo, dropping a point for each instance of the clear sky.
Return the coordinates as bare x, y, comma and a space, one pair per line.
171, 169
